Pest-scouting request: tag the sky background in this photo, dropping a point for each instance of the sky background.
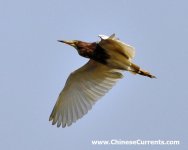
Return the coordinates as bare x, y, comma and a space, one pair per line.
34, 68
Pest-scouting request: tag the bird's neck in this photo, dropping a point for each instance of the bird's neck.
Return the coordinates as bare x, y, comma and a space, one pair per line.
86, 49
93, 51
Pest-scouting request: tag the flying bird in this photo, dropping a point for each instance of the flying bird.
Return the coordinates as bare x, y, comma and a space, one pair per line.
108, 58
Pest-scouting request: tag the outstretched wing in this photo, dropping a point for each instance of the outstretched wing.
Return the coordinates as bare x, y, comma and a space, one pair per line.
82, 89
113, 43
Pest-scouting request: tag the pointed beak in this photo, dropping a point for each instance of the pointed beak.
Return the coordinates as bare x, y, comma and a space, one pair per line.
71, 43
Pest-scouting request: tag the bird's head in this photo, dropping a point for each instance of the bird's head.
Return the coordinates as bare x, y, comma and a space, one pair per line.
84, 48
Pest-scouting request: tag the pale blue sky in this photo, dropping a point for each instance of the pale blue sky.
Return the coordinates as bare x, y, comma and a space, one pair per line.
34, 68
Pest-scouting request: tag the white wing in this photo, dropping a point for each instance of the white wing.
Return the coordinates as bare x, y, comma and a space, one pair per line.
113, 43
82, 89
104, 37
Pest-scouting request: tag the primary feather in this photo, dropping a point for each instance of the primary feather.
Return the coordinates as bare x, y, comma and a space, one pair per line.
83, 88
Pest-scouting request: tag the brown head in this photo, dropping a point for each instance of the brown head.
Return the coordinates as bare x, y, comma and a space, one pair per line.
85, 49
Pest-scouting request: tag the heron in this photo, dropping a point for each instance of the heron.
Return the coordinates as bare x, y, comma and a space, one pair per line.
108, 58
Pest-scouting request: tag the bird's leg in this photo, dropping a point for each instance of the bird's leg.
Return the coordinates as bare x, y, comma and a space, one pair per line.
137, 70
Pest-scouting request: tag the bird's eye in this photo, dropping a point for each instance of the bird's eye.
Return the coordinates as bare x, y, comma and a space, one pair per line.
76, 44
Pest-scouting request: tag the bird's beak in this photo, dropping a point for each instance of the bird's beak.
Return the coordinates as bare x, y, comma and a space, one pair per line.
71, 43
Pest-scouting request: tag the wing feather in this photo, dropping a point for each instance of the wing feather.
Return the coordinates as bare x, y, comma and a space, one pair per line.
112, 43
83, 88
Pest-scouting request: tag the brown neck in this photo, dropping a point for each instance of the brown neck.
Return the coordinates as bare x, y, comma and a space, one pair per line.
86, 49
93, 51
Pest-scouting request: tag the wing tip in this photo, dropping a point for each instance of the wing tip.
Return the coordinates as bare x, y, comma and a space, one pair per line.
104, 37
